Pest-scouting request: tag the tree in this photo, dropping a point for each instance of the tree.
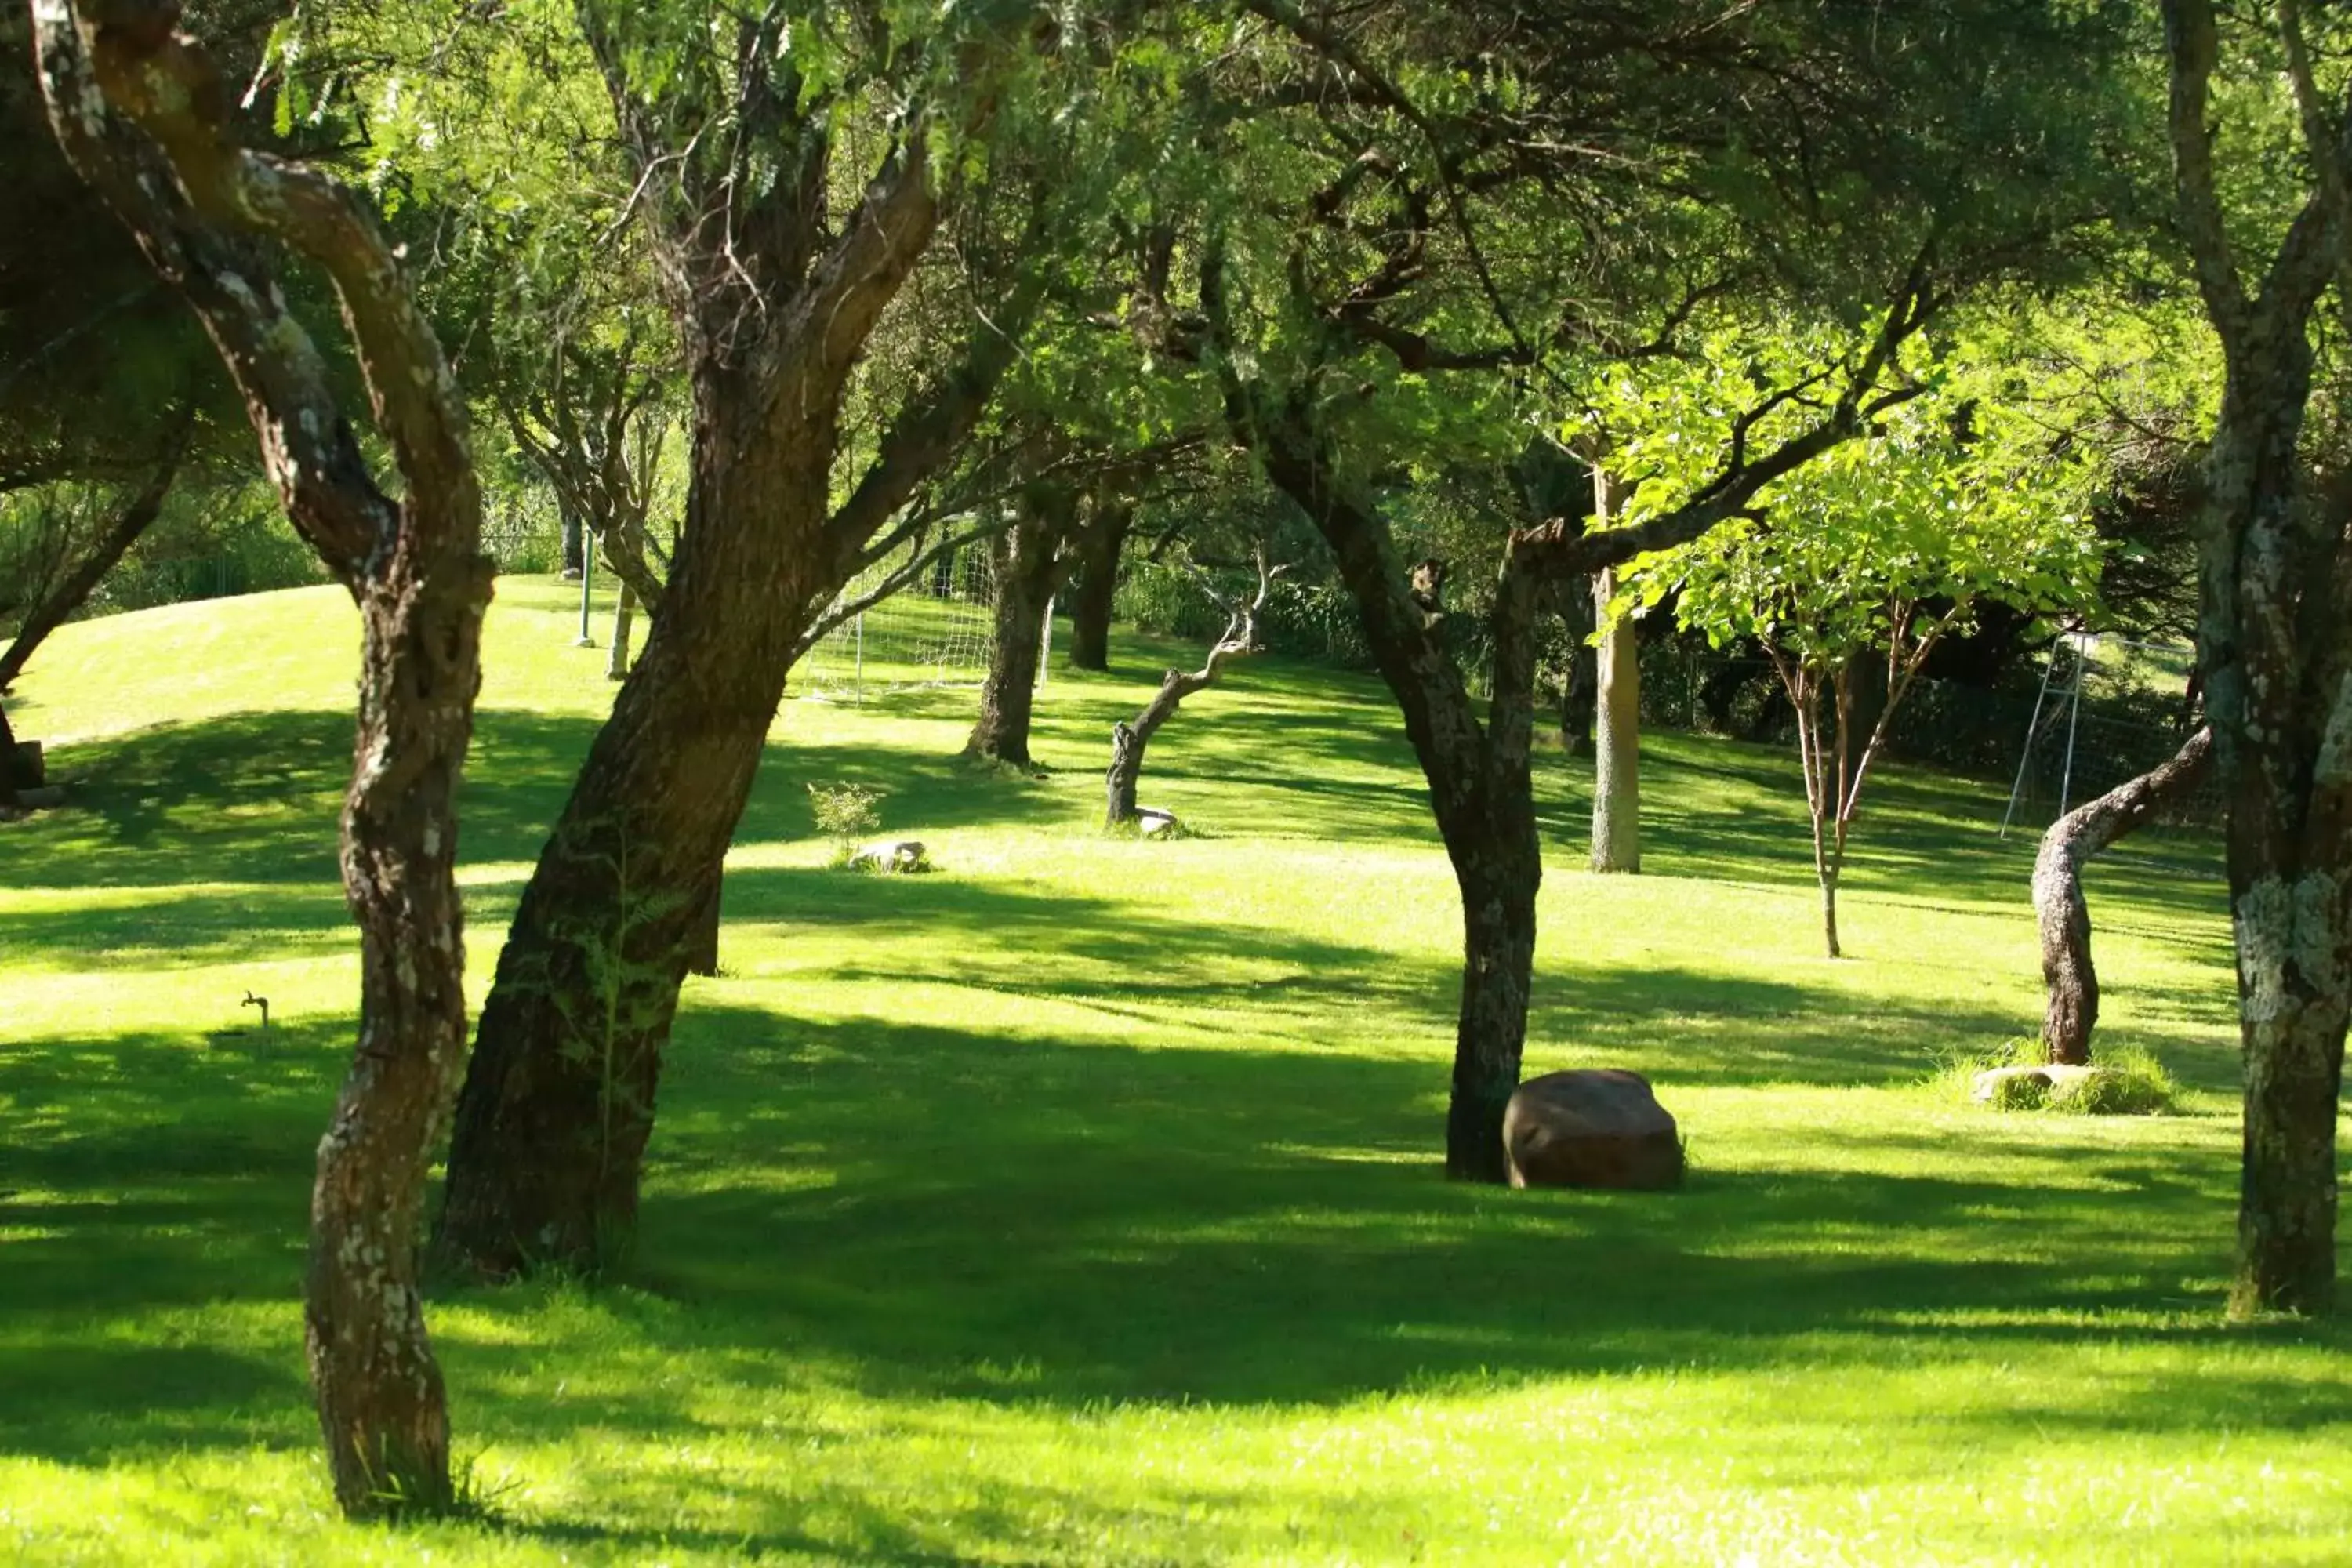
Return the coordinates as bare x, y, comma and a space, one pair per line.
2274, 640
782, 248
2063, 916
65, 563
1029, 564
1368, 326
142, 113
1128, 740
1874, 555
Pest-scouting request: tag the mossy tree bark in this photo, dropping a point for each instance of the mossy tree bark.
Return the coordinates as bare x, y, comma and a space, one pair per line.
140, 113
2060, 910
2274, 647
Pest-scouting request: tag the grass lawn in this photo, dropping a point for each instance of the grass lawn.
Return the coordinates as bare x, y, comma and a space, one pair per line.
1081, 1203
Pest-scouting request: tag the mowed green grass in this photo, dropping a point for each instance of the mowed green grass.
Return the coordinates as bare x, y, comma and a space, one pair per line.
1081, 1203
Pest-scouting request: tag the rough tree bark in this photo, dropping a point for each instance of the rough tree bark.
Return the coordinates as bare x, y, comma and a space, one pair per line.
2276, 651
142, 114
69, 594
1128, 741
553, 1119
2059, 907
1029, 567
1099, 547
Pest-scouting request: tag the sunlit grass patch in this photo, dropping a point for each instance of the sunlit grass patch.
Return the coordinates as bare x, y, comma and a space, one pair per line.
1081, 1202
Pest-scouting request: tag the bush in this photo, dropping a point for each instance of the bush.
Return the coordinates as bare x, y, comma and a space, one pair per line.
844, 812
2130, 1082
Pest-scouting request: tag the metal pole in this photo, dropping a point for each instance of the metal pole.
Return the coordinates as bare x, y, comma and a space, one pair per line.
2073, 716
587, 575
2026, 761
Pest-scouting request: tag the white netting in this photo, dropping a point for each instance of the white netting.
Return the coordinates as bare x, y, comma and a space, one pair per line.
2109, 709
935, 631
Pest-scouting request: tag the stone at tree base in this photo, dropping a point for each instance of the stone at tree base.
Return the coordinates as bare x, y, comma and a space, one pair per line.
1594, 1127
1154, 822
2053, 1080
892, 855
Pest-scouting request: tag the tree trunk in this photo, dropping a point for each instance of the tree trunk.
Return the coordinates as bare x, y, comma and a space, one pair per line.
1026, 575
1128, 740
1616, 743
1098, 583
8, 761
625, 610
68, 594
1499, 884
1126, 768
1480, 784
553, 1119
414, 568
1580, 687
381, 1402
2059, 906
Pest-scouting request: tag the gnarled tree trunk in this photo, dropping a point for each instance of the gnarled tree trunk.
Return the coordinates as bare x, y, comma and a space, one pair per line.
2064, 917
415, 570
1128, 740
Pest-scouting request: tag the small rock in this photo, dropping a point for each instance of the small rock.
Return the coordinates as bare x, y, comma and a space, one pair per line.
1153, 822
892, 855
1596, 1127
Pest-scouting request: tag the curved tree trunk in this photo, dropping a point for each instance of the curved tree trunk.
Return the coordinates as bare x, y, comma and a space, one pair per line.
1099, 544
1128, 740
2058, 904
414, 568
1027, 571
69, 594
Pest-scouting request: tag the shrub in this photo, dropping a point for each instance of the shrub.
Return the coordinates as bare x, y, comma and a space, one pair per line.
2130, 1082
844, 812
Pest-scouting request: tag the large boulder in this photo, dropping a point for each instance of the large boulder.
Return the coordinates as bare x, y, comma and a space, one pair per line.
1595, 1127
